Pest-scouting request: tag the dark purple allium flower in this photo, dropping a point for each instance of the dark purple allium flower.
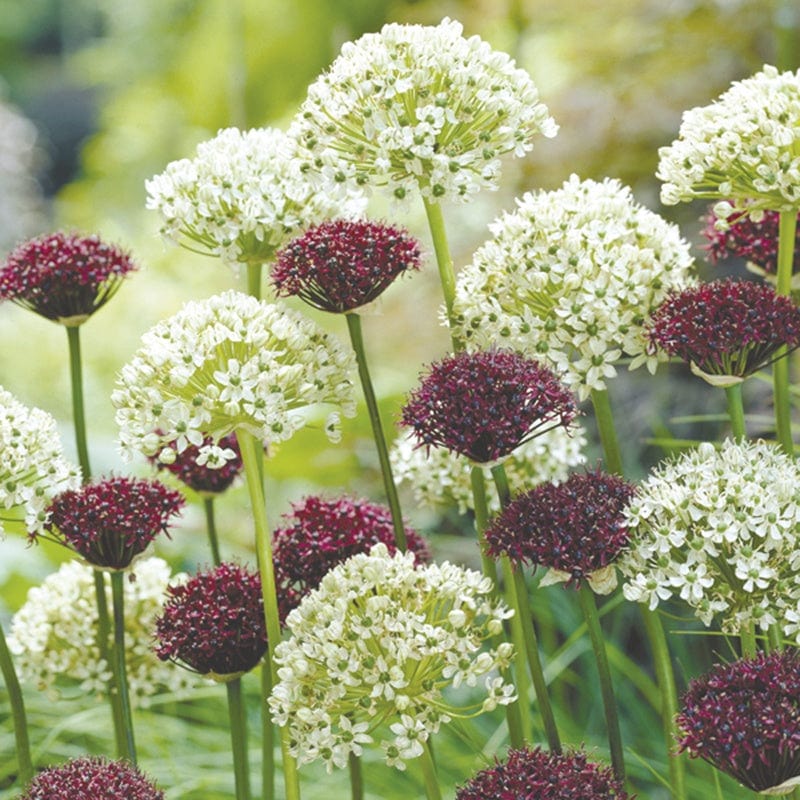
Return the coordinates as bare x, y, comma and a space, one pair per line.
64, 277
111, 522
340, 265
484, 405
575, 528
726, 328
214, 623
201, 478
744, 718
92, 778
535, 774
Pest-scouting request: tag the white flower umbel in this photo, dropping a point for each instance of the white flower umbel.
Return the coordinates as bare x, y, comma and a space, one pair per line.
373, 650
744, 147
571, 277
225, 364
420, 108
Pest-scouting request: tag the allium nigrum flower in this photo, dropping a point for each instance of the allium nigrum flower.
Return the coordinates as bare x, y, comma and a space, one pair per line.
214, 623
112, 521
190, 469
575, 528
744, 718
92, 778
726, 328
340, 265
485, 404
535, 774
64, 277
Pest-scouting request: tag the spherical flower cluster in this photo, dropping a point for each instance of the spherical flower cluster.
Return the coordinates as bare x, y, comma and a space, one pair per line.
575, 528
54, 635
719, 529
572, 276
201, 478
535, 774
33, 468
372, 650
744, 718
485, 404
420, 108
743, 147
225, 364
64, 277
340, 265
241, 197
726, 330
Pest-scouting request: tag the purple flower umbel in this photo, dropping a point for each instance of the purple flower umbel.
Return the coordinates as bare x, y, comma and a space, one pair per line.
201, 478
340, 265
484, 405
744, 718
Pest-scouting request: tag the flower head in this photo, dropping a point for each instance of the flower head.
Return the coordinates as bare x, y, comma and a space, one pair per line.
744, 718
575, 528
111, 522
64, 277
484, 405
371, 650
420, 108
200, 477
340, 265
572, 276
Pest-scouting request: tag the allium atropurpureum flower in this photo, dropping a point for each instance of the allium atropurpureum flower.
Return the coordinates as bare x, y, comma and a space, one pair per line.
571, 277
726, 330
719, 529
742, 149
744, 718
201, 478
64, 277
485, 404
111, 522
420, 108
213, 623
225, 364
372, 651
33, 469
575, 529
54, 634
340, 265
241, 197
535, 774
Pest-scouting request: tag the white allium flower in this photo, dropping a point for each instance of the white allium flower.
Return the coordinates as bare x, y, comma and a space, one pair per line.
719, 529
33, 469
54, 635
745, 147
372, 650
419, 107
571, 277
241, 197
228, 363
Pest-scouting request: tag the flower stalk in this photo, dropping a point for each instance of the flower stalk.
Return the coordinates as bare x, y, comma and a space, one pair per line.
432, 789
211, 528
787, 228
733, 395
444, 262
118, 663
238, 719
17, 704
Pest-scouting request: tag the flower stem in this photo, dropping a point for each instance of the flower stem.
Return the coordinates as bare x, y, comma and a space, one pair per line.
254, 280
267, 736
736, 411
357, 340
356, 777
605, 426
211, 527
747, 637
238, 720
432, 790
78, 413
120, 670
17, 704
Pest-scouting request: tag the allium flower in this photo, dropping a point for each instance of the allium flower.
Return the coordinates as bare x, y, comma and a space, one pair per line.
202, 478
64, 277
33, 468
92, 778
340, 265
227, 363
241, 197
111, 522
54, 635
420, 108
575, 528
572, 276
726, 330
484, 405
535, 774
214, 623
744, 718
372, 649
743, 147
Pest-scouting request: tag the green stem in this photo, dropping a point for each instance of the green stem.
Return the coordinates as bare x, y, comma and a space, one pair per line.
267, 736
775, 637
356, 777
211, 527
608, 435
432, 790
780, 369
120, 670
747, 637
17, 712
254, 280
103, 637
357, 340
78, 413
238, 719
736, 411
500, 477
